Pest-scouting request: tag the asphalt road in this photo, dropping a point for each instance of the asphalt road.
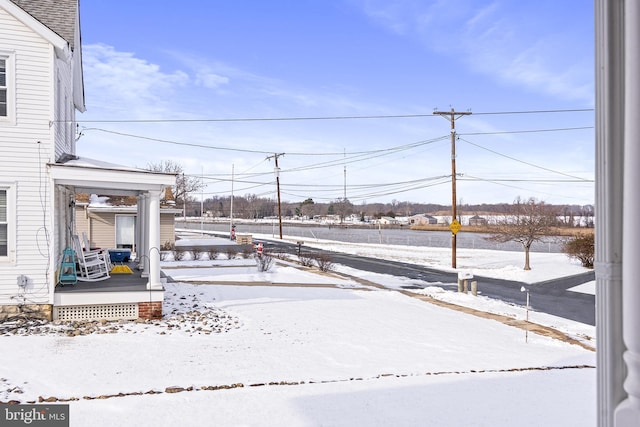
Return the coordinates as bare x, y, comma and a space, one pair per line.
550, 297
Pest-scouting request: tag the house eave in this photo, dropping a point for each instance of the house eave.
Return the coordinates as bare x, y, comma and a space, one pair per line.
38, 27
92, 176
127, 209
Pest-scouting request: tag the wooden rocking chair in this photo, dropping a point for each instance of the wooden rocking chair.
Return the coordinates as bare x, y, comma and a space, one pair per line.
93, 266
88, 248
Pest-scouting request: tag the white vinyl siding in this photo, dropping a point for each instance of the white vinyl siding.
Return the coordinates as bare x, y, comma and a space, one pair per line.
100, 230
64, 123
167, 228
27, 146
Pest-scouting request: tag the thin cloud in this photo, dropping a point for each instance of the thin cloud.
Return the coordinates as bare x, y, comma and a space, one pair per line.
116, 80
278, 96
122, 84
211, 80
497, 38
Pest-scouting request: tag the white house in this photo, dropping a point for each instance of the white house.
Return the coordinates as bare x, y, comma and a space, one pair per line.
387, 220
110, 222
41, 88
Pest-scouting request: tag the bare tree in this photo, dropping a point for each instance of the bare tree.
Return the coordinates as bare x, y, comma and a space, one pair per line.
343, 207
252, 205
526, 222
185, 184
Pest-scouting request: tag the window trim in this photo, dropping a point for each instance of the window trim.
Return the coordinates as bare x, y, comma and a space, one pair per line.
10, 69
115, 229
10, 188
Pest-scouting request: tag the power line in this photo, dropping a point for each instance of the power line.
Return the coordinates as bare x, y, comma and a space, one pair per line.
548, 181
365, 155
575, 110
212, 147
359, 156
242, 150
528, 131
495, 182
333, 187
280, 119
392, 188
355, 196
186, 144
255, 119
357, 191
360, 187
521, 161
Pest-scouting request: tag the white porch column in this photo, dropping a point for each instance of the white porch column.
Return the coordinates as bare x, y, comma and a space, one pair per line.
153, 250
628, 412
609, 50
143, 235
61, 222
138, 231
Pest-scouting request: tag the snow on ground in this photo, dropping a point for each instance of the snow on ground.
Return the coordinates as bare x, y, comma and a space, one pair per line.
479, 262
298, 348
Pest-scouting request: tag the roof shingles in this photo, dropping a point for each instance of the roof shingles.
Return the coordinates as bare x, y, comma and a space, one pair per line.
58, 15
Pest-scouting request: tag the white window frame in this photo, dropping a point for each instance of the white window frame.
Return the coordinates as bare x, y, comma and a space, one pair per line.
10, 188
115, 229
10, 69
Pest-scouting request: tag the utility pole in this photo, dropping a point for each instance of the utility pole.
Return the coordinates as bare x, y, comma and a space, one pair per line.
344, 199
184, 200
455, 225
231, 208
277, 172
202, 203
345, 175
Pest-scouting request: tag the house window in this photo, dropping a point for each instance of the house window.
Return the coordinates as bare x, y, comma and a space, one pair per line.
3, 223
3, 87
7, 101
125, 231
7, 223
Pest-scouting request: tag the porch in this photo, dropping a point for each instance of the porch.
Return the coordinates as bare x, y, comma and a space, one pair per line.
121, 296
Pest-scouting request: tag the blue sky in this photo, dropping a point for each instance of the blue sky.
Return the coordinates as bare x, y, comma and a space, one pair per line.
168, 80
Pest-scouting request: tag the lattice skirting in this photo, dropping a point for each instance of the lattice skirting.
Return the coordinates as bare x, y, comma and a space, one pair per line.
96, 312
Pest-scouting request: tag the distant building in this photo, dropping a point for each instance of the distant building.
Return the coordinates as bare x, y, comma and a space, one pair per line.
477, 220
387, 220
422, 219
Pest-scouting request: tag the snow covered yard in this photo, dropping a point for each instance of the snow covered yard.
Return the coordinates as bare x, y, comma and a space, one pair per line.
300, 349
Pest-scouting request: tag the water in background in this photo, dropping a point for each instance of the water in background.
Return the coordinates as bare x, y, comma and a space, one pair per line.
389, 236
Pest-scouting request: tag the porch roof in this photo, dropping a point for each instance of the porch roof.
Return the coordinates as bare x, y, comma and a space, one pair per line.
95, 176
127, 209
